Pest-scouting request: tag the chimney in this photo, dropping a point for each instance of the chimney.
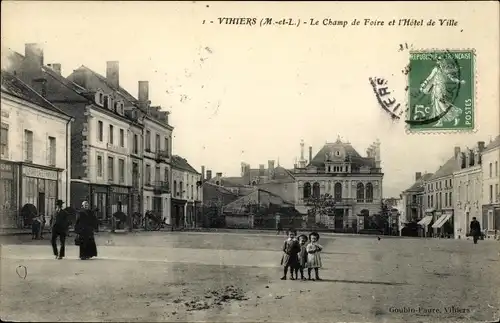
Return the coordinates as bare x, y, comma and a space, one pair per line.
418, 175
113, 73
56, 67
34, 54
209, 174
310, 153
143, 91
480, 145
218, 175
202, 173
457, 152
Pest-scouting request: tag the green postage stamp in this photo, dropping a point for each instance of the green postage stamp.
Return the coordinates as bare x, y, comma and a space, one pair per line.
441, 91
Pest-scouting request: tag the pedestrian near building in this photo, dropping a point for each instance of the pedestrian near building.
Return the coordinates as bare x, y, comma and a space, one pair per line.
60, 226
86, 225
475, 229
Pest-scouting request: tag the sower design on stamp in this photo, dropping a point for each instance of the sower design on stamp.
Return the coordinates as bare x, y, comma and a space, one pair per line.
441, 96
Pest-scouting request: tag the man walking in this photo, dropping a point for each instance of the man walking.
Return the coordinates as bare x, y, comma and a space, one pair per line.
60, 227
475, 229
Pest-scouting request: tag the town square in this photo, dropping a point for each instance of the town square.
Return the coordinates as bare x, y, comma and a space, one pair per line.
183, 162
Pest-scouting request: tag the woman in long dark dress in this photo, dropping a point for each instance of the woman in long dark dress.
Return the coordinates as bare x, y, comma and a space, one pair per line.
85, 226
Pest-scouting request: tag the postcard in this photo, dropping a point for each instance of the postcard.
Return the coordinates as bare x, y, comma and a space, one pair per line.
236, 161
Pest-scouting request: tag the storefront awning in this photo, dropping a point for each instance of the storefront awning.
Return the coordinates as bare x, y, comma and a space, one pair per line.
439, 223
425, 221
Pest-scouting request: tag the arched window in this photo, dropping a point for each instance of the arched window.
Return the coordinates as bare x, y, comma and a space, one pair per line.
307, 190
369, 193
338, 192
175, 188
360, 193
316, 190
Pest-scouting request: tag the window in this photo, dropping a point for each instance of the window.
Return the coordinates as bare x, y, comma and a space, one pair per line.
135, 175
496, 168
100, 128
111, 134
360, 192
52, 151
4, 140
450, 201
316, 190
135, 144
148, 175
157, 143
306, 191
148, 140
105, 102
121, 170
28, 145
157, 174
99, 166
122, 138
165, 176
491, 193
166, 145
111, 169
192, 192
491, 169
428, 201
175, 188
100, 98
496, 193
369, 193
181, 190
337, 191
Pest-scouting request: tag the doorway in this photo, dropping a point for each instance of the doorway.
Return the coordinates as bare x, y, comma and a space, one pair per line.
41, 203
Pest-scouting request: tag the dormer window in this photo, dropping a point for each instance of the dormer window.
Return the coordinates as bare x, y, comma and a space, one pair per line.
101, 98
110, 104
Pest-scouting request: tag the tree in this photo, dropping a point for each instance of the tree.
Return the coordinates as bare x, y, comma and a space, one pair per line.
324, 205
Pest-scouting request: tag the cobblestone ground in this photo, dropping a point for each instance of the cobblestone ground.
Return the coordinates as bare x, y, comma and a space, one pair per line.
231, 277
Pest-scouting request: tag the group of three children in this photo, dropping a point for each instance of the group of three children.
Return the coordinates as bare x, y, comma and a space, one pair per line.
298, 254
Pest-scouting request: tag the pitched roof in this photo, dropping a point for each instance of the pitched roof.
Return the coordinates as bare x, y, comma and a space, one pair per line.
258, 196
181, 163
419, 184
494, 144
447, 169
120, 90
218, 188
329, 148
14, 86
77, 89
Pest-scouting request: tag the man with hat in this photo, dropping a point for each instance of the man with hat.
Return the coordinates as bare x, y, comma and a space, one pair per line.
60, 226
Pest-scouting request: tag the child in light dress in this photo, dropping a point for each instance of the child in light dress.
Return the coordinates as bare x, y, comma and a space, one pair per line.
290, 259
313, 255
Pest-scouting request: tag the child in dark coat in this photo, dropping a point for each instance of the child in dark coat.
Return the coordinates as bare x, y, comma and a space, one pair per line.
302, 257
290, 259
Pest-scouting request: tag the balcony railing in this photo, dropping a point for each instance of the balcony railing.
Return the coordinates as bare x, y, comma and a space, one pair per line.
161, 155
339, 201
161, 187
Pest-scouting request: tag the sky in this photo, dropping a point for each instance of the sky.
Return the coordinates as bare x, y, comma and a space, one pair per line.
248, 93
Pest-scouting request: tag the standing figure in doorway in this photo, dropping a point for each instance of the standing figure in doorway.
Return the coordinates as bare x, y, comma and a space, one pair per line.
86, 225
475, 229
60, 226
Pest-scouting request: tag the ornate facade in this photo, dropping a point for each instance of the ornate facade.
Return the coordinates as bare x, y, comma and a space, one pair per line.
354, 182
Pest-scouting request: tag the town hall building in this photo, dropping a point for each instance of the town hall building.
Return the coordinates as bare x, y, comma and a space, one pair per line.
353, 181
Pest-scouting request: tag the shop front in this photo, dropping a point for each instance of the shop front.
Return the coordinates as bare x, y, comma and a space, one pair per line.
177, 212
443, 224
39, 187
120, 195
100, 202
9, 198
190, 215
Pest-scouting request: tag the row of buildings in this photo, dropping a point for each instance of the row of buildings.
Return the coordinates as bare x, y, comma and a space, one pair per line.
353, 181
466, 186
84, 137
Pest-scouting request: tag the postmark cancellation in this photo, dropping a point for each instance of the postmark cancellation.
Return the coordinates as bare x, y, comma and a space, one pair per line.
441, 91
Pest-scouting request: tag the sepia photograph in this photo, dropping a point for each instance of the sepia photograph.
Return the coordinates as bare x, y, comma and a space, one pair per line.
240, 161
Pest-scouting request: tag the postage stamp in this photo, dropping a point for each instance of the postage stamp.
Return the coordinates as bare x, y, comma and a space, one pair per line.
441, 91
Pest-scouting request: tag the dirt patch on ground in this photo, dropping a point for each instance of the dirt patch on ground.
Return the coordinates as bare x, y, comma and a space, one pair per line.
211, 298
